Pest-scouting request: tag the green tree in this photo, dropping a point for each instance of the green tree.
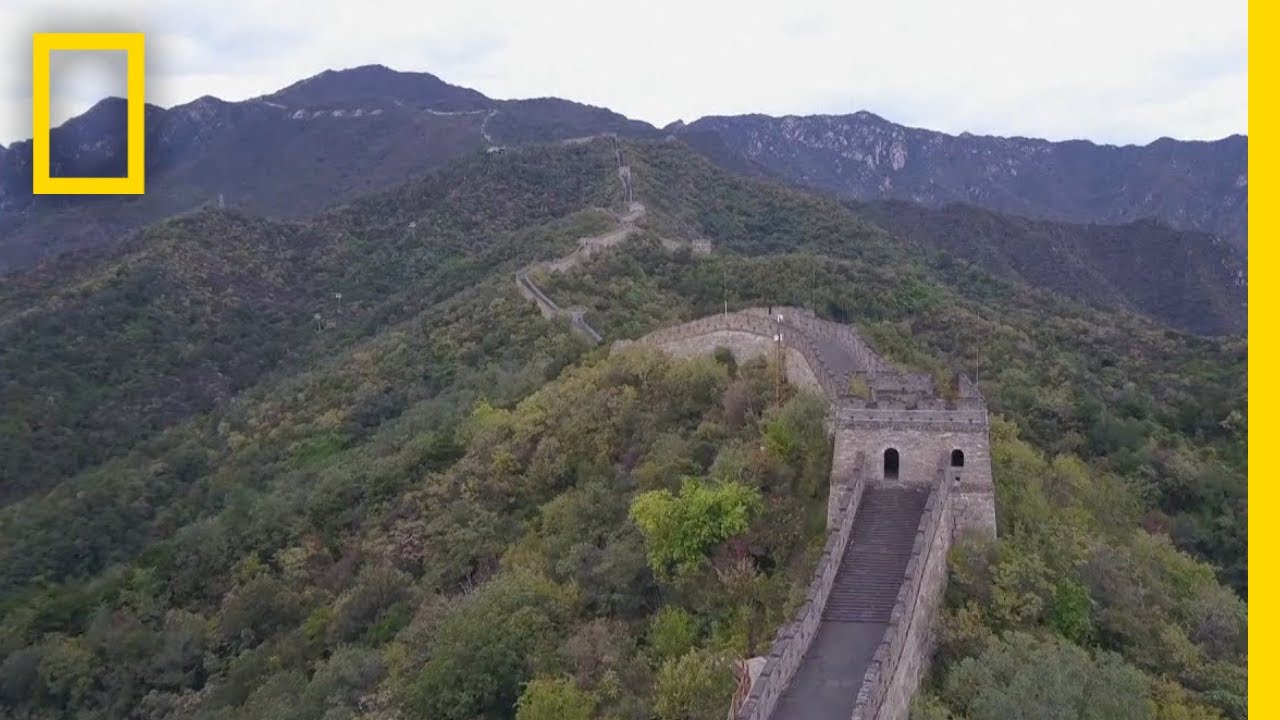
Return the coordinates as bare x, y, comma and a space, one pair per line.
66, 669
1030, 678
487, 648
695, 686
672, 633
681, 530
555, 698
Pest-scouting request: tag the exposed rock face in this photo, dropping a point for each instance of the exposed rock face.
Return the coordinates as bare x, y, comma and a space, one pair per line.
1192, 185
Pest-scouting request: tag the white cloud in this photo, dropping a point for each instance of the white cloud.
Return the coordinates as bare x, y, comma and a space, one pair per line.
1109, 70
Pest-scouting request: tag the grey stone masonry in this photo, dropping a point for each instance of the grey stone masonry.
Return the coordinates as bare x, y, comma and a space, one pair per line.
793, 640
903, 656
865, 359
742, 333
527, 288
907, 434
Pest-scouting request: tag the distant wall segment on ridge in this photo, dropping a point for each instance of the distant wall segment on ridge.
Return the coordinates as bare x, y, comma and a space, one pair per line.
527, 288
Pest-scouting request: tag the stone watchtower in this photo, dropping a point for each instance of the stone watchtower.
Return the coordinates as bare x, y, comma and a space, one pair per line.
910, 431
910, 473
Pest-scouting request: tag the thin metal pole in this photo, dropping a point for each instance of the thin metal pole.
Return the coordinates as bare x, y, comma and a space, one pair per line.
780, 361
813, 284
976, 345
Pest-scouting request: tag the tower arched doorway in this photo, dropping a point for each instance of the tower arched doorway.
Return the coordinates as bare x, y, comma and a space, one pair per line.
891, 464
957, 458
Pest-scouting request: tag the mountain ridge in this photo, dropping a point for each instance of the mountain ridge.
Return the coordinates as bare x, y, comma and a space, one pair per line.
340, 134
333, 143
677, 125
1196, 185
1191, 280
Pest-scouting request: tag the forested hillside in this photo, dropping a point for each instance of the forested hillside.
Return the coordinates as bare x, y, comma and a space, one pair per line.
341, 469
105, 349
1189, 280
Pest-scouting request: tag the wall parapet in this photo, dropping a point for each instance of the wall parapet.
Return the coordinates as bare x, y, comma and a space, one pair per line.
957, 420
893, 393
887, 666
532, 291
961, 500
866, 359
755, 323
793, 639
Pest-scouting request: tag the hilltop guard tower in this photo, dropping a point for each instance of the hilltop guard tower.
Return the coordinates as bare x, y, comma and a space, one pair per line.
910, 473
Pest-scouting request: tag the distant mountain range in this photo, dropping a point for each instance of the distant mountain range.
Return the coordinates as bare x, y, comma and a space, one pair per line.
322, 140
1189, 185
343, 134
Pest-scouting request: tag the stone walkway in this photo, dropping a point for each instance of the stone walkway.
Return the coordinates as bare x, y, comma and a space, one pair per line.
857, 612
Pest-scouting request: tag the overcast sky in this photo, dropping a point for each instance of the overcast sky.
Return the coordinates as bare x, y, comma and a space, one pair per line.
1116, 71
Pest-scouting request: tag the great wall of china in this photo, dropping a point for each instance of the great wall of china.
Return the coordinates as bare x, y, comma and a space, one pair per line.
628, 225
910, 474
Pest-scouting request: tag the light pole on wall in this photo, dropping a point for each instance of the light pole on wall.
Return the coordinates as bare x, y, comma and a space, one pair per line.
813, 286
777, 378
724, 281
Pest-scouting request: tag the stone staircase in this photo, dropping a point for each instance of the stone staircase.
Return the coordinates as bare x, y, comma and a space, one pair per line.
874, 561
857, 613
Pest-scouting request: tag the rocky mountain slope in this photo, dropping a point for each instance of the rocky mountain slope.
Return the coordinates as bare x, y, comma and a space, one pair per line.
1191, 185
340, 133
321, 140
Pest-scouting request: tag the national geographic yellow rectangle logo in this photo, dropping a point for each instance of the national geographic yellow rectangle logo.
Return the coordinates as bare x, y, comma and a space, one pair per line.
134, 182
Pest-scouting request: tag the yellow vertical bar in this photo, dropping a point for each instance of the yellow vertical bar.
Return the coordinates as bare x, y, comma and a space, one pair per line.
1264, 326
39, 112
137, 112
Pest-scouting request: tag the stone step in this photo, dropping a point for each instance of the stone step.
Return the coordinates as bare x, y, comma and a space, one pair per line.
884, 598
868, 585
874, 563
866, 588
